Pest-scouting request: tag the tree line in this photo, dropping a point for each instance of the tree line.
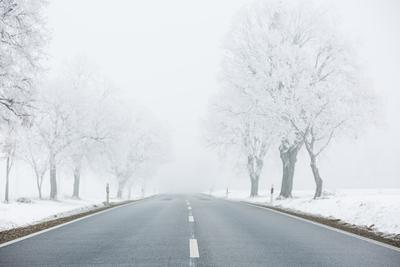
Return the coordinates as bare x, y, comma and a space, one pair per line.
289, 80
71, 118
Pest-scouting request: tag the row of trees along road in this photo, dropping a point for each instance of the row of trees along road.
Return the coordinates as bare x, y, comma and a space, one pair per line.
71, 118
289, 80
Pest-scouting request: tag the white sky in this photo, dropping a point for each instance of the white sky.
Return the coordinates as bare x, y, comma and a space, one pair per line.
165, 55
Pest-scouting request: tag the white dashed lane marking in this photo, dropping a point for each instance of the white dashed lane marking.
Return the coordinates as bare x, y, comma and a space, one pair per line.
193, 246
194, 249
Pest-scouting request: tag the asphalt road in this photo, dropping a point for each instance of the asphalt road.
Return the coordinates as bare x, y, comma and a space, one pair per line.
194, 230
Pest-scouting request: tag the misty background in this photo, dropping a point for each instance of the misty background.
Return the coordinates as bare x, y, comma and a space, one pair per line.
166, 55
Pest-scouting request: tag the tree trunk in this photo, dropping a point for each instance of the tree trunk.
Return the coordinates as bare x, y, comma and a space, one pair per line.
119, 193
317, 177
289, 158
77, 178
285, 191
40, 192
254, 167
313, 165
53, 177
39, 180
121, 185
291, 167
8, 167
129, 192
254, 186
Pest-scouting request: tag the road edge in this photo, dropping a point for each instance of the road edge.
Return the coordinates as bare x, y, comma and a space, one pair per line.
60, 222
319, 221
323, 222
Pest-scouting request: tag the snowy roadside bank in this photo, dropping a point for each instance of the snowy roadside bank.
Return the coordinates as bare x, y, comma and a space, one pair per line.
377, 209
16, 214
59, 219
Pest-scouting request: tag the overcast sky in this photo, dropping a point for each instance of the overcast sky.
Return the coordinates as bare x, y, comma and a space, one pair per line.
165, 55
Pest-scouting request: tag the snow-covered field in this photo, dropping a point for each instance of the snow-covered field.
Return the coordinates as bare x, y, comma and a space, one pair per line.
17, 214
363, 207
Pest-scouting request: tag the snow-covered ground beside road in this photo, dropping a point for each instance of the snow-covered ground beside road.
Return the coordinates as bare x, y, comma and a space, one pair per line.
362, 207
16, 214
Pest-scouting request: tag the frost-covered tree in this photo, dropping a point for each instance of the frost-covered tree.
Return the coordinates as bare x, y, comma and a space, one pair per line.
297, 66
85, 93
315, 87
54, 124
333, 102
125, 155
32, 150
21, 50
135, 142
259, 49
236, 128
21, 42
246, 73
8, 149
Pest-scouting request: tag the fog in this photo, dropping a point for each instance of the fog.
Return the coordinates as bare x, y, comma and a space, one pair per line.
166, 55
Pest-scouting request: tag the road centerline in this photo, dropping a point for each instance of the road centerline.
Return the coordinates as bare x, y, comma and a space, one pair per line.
193, 248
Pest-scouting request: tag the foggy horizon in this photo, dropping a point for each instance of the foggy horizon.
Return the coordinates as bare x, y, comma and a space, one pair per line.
167, 55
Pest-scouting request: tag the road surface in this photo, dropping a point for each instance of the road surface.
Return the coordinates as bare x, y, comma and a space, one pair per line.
194, 230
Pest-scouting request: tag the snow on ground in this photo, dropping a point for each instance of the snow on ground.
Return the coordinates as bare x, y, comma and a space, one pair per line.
16, 214
363, 207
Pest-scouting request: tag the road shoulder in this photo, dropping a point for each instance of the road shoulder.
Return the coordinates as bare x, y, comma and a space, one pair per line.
334, 224
10, 236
